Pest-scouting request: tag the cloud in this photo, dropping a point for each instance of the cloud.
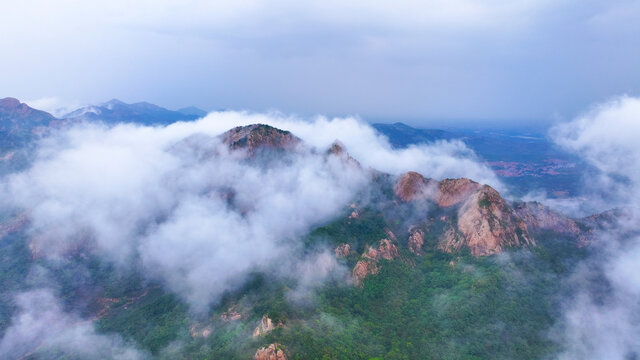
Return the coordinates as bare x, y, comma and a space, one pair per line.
601, 321
42, 328
53, 105
196, 216
606, 138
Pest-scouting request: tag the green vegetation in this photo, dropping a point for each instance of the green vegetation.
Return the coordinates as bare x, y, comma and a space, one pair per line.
484, 203
435, 306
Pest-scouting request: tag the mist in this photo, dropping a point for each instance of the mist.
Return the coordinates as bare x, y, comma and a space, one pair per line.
601, 321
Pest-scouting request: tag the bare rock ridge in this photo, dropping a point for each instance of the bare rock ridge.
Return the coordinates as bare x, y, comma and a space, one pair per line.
540, 218
369, 263
337, 149
485, 223
455, 191
489, 224
271, 352
259, 136
413, 186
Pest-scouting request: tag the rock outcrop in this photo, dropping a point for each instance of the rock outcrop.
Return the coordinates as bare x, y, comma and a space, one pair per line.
416, 240
259, 136
343, 250
369, 264
413, 186
272, 352
362, 269
540, 219
266, 325
337, 149
455, 191
488, 224
485, 223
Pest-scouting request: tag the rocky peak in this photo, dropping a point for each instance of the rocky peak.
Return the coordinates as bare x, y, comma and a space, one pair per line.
272, 352
337, 149
259, 136
489, 224
13, 109
413, 186
9, 103
455, 191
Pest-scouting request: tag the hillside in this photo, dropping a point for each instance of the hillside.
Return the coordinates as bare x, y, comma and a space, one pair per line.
407, 267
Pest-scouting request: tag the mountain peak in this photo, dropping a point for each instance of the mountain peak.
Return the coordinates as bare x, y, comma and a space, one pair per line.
256, 136
9, 103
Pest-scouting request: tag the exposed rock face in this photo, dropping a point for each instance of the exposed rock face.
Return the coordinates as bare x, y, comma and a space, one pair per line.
343, 250
337, 149
387, 250
488, 224
416, 240
369, 264
540, 218
259, 136
272, 352
362, 269
413, 186
455, 191
266, 325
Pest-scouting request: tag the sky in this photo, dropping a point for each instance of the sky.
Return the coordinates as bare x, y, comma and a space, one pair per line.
506, 61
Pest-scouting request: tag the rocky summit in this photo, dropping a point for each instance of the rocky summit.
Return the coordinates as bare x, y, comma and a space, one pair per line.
253, 138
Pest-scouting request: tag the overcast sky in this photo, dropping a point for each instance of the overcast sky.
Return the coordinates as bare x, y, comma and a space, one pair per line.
403, 59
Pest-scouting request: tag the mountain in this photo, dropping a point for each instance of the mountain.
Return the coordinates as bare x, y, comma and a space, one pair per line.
116, 111
407, 266
192, 110
20, 123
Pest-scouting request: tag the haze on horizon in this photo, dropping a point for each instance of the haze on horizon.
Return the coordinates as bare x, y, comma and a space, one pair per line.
439, 59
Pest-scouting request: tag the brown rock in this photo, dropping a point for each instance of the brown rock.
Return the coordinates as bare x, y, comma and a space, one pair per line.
337, 149
413, 186
362, 269
455, 191
387, 250
488, 224
369, 264
266, 325
416, 240
343, 250
259, 136
540, 218
272, 352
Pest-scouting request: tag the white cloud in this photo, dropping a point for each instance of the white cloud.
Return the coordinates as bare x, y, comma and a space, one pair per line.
198, 217
42, 328
602, 323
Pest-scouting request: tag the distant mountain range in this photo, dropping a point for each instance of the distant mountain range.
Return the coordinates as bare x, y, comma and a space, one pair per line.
21, 124
116, 111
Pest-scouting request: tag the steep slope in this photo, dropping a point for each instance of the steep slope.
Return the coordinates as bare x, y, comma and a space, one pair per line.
19, 122
483, 222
